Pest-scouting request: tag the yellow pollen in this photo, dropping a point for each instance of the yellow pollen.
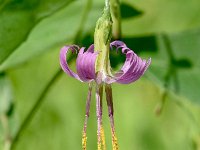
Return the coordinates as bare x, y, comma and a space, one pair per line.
84, 141
99, 141
99, 145
114, 142
103, 142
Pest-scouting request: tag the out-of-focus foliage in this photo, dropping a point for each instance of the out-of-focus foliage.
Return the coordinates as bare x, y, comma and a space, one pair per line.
18, 18
5, 95
168, 31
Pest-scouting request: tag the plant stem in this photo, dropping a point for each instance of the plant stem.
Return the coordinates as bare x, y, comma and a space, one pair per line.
6, 129
116, 18
34, 109
171, 72
99, 92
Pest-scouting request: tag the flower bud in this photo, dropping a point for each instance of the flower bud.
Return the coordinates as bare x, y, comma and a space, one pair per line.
102, 37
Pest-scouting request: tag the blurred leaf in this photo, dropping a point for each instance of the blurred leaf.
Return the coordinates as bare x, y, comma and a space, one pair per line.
184, 62
61, 25
5, 95
162, 16
18, 18
128, 11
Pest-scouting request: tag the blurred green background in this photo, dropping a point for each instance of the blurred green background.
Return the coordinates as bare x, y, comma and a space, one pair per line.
42, 108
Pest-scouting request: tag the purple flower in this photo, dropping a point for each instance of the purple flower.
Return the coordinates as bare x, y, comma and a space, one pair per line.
133, 68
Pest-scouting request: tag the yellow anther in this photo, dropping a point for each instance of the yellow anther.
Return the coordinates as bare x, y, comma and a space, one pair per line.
114, 142
99, 145
84, 141
103, 142
99, 140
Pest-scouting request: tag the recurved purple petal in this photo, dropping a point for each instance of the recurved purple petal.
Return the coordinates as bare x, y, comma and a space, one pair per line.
85, 63
63, 62
134, 67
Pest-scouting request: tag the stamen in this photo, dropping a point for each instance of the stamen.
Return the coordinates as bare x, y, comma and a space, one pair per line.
114, 137
114, 142
103, 142
109, 100
100, 131
84, 136
84, 141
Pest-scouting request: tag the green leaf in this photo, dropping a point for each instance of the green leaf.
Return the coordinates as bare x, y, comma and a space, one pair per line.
54, 31
186, 47
176, 64
18, 18
63, 24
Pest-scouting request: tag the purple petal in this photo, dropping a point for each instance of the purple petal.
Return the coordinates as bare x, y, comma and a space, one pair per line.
85, 63
138, 71
133, 68
117, 44
63, 62
91, 48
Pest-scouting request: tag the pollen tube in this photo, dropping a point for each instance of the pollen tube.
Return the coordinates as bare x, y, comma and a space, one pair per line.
84, 136
109, 100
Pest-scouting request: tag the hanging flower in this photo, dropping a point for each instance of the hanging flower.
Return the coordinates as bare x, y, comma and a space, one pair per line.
134, 67
86, 66
93, 66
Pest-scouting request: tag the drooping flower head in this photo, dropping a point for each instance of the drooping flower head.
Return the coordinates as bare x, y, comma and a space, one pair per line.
93, 67
133, 68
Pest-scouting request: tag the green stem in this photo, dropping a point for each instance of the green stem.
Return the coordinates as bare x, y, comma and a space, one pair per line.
116, 18
34, 109
171, 73
6, 130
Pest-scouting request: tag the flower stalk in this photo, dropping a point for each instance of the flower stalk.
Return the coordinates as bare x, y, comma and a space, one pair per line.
109, 99
7, 136
100, 133
84, 136
116, 17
